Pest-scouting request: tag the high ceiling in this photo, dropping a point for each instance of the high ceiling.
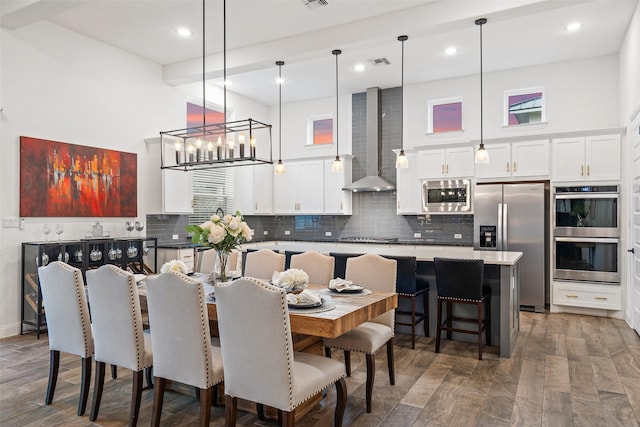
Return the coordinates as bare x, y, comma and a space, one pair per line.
519, 33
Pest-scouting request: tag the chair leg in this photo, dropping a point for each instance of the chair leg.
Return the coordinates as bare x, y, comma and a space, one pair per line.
205, 406
158, 397
391, 361
341, 402
413, 322
425, 324
288, 418
136, 397
449, 319
438, 324
214, 395
327, 352
149, 374
86, 383
260, 411
487, 321
114, 372
347, 362
371, 375
479, 307
230, 410
54, 364
97, 391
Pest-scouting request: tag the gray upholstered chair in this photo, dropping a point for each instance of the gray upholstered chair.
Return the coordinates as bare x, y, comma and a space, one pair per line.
259, 362
319, 267
117, 332
68, 324
182, 349
379, 274
261, 264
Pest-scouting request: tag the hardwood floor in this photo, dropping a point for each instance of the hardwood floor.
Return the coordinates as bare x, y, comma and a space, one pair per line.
567, 370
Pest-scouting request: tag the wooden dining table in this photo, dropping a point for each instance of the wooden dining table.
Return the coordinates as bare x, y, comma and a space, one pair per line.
350, 311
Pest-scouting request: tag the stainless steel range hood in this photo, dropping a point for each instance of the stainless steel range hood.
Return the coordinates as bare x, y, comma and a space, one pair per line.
373, 159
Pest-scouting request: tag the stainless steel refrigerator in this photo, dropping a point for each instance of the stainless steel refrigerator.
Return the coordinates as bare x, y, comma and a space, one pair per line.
515, 217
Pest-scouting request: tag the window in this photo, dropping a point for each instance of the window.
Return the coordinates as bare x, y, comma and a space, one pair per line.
320, 130
524, 106
212, 188
445, 115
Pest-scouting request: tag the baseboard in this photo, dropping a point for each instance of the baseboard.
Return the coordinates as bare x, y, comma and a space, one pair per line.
10, 330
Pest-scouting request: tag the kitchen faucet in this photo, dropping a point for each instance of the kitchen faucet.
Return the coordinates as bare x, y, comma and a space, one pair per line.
220, 212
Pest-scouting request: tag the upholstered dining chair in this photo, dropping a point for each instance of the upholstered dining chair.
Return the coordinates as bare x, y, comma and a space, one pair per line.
460, 281
378, 274
261, 264
68, 324
117, 332
340, 265
182, 349
207, 261
318, 266
259, 362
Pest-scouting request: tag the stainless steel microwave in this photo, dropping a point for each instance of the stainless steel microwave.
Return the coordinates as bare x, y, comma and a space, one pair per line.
447, 196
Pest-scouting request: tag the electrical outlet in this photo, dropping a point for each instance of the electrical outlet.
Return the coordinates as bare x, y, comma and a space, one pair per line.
417, 235
457, 236
175, 236
265, 233
287, 232
327, 234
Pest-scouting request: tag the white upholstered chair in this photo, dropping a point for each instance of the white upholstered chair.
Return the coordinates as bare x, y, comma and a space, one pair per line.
319, 267
68, 324
117, 332
182, 349
261, 264
378, 274
259, 362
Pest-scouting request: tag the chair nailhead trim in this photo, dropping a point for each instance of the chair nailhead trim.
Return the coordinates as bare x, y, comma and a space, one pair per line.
79, 284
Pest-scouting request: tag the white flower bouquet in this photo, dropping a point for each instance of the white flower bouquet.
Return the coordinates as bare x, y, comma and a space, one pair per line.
174, 265
293, 280
222, 234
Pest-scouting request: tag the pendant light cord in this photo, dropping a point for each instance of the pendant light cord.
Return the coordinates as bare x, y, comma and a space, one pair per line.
337, 52
204, 103
481, 22
224, 63
279, 64
402, 39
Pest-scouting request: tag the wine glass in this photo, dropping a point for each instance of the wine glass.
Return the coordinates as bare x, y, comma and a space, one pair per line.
59, 230
46, 229
112, 253
129, 226
139, 226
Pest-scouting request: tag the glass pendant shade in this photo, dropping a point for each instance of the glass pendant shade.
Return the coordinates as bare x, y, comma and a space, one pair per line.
482, 155
401, 161
280, 168
337, 165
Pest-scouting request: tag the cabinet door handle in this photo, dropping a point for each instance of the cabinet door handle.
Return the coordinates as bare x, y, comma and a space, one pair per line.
398, 205
447, 167
256, 206
514, 166
341, 206
442, 168
602, 298
507, 166
581, 170
571, 296
588, 170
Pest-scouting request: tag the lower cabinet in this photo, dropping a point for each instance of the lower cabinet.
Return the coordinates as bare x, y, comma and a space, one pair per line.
588, 295
135, 255
186, 255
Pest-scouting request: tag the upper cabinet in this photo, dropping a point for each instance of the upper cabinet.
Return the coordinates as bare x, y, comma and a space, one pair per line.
336, 200
254, 189
590, 158
516, 160
300, 189
445, 163
168, 191
408, 196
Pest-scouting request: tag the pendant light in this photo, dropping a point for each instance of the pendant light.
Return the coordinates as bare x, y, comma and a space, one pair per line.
280, 169
402, 161
482, 155
337, 163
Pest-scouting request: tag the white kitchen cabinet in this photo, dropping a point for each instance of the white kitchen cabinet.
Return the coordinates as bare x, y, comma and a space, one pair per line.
168, 191
301, 189
590, 295
408, 196
185, 255
336, 200
587, 158
516, 160
446, 163
262, 190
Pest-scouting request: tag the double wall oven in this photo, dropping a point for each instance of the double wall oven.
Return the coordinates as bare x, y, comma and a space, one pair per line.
586, 233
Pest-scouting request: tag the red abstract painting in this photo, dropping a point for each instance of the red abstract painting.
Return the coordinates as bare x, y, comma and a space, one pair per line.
68, 180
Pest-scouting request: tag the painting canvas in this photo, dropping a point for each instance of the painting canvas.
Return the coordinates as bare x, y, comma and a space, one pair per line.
58, 179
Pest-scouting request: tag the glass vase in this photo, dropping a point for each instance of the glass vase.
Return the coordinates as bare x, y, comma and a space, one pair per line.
220, 266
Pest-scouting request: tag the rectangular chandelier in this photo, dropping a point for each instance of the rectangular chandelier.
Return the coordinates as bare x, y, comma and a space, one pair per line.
215, 145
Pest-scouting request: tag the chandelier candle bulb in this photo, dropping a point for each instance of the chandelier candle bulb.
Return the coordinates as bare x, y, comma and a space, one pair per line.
198, 149
219, 148
191, 153
231, 147
209, 150
252, 146
241, 144
177, 152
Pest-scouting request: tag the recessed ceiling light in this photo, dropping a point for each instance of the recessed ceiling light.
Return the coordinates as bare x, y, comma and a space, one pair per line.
359, 67
227, 82
279, 80
451, 50
574, 26
184, 32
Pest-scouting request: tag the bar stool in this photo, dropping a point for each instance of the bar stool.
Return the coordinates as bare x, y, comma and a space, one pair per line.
459, 281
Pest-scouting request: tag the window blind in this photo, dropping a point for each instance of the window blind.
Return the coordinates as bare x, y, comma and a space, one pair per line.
212, 189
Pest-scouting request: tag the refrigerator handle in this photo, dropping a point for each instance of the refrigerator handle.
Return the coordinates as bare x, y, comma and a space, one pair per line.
499, 231
505, 221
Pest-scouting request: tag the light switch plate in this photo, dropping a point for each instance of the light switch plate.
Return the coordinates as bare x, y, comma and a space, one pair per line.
265, 233
175, 237
287, 232
417, 235
457, 236
327, 234
10, 222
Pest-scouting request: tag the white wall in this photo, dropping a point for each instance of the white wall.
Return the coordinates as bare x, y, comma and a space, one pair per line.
630, 70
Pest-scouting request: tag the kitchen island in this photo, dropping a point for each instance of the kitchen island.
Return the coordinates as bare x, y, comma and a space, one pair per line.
502, 273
